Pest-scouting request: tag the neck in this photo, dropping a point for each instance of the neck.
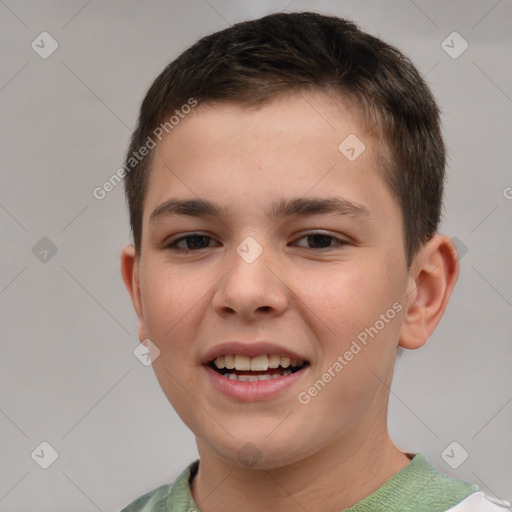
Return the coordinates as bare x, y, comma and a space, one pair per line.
337, 477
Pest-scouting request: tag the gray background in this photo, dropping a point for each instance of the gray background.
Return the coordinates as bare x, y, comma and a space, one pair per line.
68, 375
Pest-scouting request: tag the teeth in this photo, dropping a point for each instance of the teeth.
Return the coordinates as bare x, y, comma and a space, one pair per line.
273, 361
259, 363
242, 363
248, 378
254, 378
229, 362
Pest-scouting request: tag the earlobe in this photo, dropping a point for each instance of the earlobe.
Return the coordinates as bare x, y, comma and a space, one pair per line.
130, 274
433, 275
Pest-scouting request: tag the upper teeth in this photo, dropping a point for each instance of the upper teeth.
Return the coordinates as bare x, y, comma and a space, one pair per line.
257, 363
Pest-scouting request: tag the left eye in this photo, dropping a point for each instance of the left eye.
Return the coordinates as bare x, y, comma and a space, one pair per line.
321, 241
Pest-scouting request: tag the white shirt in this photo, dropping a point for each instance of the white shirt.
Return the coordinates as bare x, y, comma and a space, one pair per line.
479, 502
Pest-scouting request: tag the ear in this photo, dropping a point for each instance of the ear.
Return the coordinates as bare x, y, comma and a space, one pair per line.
130, 273
432, 276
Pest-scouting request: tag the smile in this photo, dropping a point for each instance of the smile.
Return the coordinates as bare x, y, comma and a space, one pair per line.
251, 369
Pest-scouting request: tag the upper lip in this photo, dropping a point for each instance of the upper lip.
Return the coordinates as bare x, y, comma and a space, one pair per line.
249, 349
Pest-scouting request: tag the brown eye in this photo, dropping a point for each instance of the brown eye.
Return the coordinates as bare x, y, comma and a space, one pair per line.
191, 243
321, 241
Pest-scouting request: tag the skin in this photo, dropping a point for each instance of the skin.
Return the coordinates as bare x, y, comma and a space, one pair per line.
313, 296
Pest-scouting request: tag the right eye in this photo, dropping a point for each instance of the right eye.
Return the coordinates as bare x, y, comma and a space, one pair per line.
190, 243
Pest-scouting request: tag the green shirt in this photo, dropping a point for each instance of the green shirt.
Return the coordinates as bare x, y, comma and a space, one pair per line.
418, 487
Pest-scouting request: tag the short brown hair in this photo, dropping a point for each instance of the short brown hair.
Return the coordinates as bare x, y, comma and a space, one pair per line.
254, 61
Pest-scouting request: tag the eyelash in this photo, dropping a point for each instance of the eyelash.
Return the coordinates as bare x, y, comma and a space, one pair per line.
174, 245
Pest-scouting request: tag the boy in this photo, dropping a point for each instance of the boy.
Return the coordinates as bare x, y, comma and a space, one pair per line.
285, 184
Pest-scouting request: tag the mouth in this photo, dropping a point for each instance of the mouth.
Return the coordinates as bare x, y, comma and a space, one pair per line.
261, 367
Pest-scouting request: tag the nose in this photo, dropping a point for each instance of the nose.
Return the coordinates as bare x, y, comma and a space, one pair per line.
251, 290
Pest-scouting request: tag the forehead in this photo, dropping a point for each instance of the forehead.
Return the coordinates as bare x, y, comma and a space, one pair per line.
294, 145
308, 117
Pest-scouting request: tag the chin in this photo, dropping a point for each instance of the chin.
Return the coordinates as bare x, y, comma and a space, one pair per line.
258, 452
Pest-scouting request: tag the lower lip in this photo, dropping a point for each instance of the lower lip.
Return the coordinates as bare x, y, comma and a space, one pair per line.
252, 391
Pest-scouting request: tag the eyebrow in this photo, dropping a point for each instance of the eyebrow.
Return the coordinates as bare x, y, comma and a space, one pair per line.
300, 206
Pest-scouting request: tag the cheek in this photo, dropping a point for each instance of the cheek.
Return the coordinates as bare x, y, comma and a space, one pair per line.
344, 299
356, 303
356, 346
168, 293
171, 299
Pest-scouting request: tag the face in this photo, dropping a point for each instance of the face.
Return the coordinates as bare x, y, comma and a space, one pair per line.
269, 252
